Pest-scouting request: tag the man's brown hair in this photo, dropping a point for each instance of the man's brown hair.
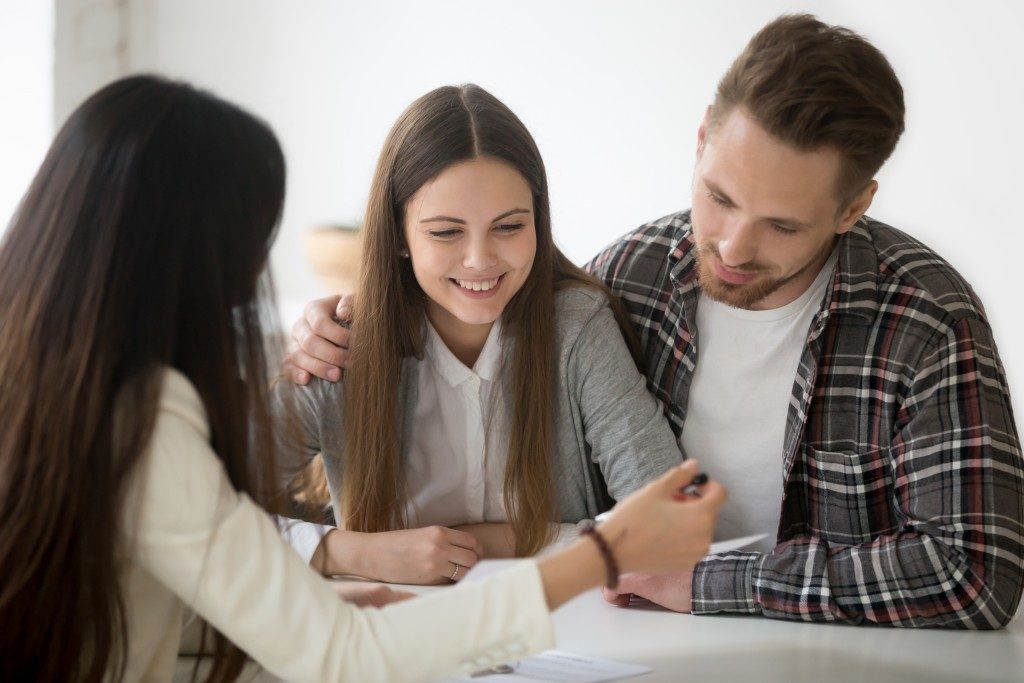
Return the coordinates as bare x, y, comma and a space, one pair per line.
812, 85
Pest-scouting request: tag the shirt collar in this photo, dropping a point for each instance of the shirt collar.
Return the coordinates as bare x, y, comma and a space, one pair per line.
454, 372
682, 265
855, 286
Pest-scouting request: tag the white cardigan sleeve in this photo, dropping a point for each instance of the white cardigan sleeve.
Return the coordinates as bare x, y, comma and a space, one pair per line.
221, 554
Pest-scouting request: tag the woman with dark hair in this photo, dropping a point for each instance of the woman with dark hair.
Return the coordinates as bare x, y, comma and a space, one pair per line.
135, 442
520, 409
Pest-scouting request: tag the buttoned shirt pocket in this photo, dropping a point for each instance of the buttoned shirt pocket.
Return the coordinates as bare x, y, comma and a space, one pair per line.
850, 494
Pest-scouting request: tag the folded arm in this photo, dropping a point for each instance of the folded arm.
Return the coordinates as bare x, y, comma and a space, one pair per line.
957, 493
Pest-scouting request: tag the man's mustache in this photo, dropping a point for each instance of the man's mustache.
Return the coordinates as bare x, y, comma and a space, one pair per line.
705, 249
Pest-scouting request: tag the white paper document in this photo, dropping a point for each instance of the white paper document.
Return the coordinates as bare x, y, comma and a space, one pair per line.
734, 544
563, 667
716, 548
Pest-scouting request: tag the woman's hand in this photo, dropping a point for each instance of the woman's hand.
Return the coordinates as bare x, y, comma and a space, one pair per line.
660, 530
424, 556
372, 595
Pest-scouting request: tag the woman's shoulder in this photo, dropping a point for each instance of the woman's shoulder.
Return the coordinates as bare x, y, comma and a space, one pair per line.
579, 307
178, 397
309, 400
580, 300
179, 485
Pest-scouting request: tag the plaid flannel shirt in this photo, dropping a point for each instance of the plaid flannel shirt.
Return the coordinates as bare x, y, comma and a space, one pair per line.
903, 479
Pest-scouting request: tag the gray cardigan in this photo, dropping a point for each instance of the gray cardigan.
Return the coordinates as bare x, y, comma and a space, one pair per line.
610, 434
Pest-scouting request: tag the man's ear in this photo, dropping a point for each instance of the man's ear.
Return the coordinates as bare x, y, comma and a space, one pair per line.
857, 208
702, 132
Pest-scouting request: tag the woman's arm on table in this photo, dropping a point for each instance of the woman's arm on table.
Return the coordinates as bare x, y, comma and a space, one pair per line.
223, 556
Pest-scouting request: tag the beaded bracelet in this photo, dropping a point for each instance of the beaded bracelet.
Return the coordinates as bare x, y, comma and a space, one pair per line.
611, 567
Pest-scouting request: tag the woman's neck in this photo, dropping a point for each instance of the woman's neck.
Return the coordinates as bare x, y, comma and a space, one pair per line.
464, 340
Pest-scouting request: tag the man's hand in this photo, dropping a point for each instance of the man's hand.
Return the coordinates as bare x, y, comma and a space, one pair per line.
373, 595
319, 344
672, 591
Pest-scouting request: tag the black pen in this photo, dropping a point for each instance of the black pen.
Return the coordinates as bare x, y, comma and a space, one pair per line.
691, 489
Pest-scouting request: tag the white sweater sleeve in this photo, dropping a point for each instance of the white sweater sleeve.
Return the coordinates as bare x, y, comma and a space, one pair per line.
220, 553
303, 537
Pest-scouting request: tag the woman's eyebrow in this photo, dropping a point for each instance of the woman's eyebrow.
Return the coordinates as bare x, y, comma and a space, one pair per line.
443, 219
451, 219
510, 212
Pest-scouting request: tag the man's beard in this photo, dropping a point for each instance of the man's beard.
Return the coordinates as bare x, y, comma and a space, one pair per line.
745, 295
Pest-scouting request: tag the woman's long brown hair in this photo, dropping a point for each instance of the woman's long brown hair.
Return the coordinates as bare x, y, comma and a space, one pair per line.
446, 126
138, 246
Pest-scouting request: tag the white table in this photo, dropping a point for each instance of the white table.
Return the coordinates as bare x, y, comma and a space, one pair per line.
750, 648
683, 647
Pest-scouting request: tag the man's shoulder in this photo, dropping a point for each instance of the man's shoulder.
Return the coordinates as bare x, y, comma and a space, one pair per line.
657, 237
903, 266
647, 255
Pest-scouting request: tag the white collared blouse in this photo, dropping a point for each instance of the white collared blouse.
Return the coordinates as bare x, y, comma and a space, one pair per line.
457, 457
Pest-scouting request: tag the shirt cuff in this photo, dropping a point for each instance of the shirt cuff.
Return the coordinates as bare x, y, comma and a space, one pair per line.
725, 583
303, 537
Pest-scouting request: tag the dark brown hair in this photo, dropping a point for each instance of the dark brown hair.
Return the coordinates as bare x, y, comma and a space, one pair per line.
446, 126
813, 85
138, 247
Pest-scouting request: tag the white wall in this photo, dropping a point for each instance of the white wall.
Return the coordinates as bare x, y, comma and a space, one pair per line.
26, 75
91, 40
613, 92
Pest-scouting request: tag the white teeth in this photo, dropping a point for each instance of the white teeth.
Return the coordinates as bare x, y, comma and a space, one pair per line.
478, 285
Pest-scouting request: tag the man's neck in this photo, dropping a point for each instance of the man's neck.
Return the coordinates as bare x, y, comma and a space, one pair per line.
798, 284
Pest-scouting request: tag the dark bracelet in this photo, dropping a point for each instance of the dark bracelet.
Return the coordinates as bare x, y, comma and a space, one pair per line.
611, 567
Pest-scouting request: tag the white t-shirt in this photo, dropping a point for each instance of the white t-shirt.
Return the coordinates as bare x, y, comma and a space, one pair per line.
739, 398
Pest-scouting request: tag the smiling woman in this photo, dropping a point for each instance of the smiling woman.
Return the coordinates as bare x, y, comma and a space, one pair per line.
491, 394
136, 445
470, 266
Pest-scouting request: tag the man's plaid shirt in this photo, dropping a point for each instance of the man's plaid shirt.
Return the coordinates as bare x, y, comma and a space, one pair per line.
903, 478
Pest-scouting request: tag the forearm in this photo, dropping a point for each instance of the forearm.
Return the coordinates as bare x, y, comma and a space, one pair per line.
496, 538
907, 579
571, 571
943, 503
343, 553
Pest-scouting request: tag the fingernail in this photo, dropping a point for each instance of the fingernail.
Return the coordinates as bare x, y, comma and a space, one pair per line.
334, 374
303, 378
